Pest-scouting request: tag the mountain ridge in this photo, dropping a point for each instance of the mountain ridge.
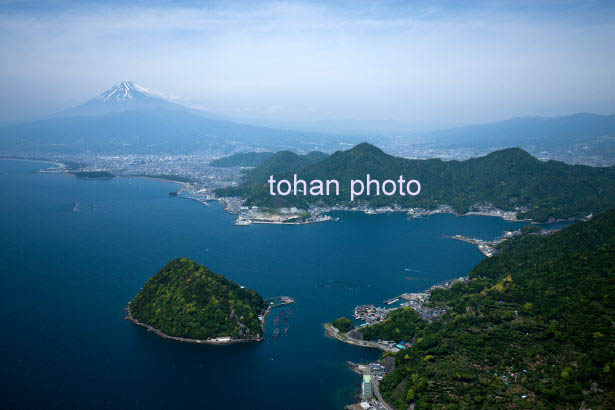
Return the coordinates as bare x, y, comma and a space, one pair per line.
510, 179
242, 159
282, 162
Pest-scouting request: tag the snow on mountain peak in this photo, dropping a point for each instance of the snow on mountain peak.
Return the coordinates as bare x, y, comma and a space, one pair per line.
125, 91
123, 96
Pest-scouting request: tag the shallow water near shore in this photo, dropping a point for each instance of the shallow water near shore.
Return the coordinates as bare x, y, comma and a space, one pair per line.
68, 271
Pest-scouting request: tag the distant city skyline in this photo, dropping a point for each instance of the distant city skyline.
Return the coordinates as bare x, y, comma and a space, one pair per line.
389, 64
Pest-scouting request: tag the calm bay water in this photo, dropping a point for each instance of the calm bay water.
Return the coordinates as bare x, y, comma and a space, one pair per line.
66, 276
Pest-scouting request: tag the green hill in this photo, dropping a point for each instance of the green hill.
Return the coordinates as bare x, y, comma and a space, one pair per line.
509, 179
315, 156
534, 329
242, 159
283, 162
188, 300
343, 324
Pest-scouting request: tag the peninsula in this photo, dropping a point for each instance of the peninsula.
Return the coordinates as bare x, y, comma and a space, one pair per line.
529, 328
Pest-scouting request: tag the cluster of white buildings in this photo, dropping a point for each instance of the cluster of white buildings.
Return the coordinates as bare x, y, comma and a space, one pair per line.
370, 313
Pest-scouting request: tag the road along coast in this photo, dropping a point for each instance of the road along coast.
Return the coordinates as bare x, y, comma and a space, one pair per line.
343, 337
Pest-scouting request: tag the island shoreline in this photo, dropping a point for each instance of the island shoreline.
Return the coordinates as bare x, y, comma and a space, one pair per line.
216, 341
158, 332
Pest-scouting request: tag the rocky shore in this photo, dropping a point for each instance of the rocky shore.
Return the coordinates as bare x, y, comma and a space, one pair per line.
216, 341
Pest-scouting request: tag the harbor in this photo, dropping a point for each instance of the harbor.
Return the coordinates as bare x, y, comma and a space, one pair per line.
372, 314
282, 320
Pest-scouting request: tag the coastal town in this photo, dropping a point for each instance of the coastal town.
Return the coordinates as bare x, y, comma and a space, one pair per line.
247, 215
199, 180
371, 314
199, 183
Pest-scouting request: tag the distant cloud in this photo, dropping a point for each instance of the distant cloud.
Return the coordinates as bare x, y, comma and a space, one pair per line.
274, 108
443, 61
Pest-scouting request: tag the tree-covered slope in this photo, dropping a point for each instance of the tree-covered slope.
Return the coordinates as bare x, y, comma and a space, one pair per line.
281, 163
534, 328
242, 159
400, 325
509, 179
315, 156
188, 300
343, 324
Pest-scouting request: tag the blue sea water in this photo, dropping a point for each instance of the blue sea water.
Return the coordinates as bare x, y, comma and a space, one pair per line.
66, 276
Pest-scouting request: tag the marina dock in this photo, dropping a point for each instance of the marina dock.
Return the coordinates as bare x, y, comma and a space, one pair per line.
279, 301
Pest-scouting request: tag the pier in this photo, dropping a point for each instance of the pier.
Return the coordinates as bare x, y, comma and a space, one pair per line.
279, 301
392, 300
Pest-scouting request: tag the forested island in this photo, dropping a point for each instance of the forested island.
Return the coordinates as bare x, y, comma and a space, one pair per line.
509, 179
187, 302
532, 328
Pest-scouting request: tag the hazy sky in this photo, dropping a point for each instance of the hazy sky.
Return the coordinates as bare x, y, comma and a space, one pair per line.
430, 62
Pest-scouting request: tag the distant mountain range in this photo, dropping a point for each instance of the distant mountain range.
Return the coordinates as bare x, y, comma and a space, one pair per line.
129, 118
509, 179
530, 131
574, 138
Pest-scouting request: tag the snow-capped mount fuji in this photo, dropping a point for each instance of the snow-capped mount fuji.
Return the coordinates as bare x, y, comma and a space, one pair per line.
129, 118
126, 91
125, 96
